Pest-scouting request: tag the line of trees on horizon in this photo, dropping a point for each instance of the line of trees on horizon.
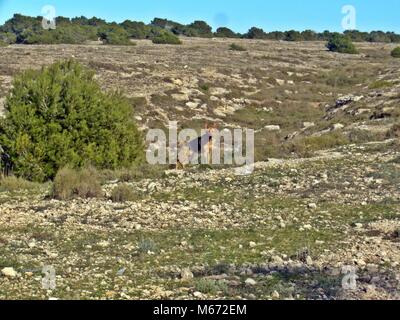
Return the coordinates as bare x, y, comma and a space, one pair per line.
22, 29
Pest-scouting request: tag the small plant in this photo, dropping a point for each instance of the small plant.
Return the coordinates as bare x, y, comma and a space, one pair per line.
342, 44
82, 183
237, 47
123, 193
204, 87
396, 53
212, 287
147, 245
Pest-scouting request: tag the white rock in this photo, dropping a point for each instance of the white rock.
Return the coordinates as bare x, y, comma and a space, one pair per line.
312, 206
337, 126
252, 244
272, 128
9, 272
103, 244
192, 105
250, 282
186, 274
307, 125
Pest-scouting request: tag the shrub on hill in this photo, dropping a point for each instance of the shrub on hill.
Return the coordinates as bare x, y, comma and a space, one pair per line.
114, 35
342, 44
60, 116
166, 37
256, 33
237, 47
83, 183
396, 52
226, 33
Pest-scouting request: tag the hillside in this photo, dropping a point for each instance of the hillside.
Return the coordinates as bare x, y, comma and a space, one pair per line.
325, 193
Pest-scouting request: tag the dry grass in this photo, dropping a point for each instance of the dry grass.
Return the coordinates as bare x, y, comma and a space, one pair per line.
83, 183
14, 184
123, 193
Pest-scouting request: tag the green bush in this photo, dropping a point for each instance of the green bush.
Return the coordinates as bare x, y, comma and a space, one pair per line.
256, 33
114, 35
60, 116
396, 53
237, 47
82, 183
226, 33
166, 37
123, 193
341, 43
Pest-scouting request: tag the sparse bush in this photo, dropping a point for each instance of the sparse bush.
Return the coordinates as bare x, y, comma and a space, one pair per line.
363, 136
166, 37
237, 47
115, 35
147, 245
123, 193
60, 116
82, 183
396, 52
13, 184
341, 43
211, 286
304, 147
380, 84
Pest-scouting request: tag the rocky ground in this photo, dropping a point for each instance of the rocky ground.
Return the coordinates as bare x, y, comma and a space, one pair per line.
288, 231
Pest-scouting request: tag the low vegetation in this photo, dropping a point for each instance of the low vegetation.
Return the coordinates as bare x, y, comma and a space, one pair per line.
396, 53
123, 193
166, 38
342, 44
76, 183
237, 47
15, 184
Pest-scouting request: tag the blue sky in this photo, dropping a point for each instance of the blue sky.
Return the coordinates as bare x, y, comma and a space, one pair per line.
239, 15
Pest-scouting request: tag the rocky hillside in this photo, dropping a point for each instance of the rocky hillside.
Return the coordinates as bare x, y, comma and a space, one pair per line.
325, 194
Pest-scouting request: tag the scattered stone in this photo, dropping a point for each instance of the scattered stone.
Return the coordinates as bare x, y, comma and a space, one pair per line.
250, 282
186, 274
272, 128
9, 272
252, 244
312, 206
